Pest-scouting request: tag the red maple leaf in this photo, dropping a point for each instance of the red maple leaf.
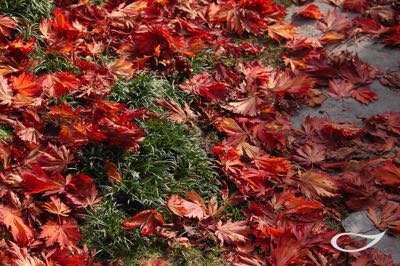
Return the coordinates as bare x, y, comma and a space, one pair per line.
334, 21
388, 218
7, 25
340, 88
358, 6
56, 206
277, 165
246, 16
51, 158
22, 45
358, 72
364, 95
237, 137
300, 209
283, 83
229, 158
205, 85
6, 93
280, 32
311, 154
248, 106
26, 85
149, 220
121, 67
176, 113
232, 232
59, 32
194, 208
391, 36
63, 232
311, 11
58, 84
286, 251
112, 172
12, 219
388, 174
316, 185
37, 181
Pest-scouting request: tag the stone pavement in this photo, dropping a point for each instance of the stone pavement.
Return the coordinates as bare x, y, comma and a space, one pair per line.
349, 110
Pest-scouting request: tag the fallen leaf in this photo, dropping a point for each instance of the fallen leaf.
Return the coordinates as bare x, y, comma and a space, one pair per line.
7, 25
316, 185
112, 171
63, 232
232, 232
20, 230
310, 155
386, 219
184, 208
364, 95
339, 88
282, 32
149, 220
311, 12
56, 206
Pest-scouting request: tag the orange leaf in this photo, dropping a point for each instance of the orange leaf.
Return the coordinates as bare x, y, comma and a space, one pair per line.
332, 36
386, 219
7, 25
121, 67
55, 206
26, 85
281, 31
278, 165
149, 220
20, 231
63, 232
58, 84
311, 11
315, 185
364, 95
112, 172
184, 208
232, 232
248, 106
6, 94
388, 174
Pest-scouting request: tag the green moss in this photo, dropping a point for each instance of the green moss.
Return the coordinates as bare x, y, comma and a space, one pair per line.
271, 56
30, 31
284, 2
51, 62
5, 132
170, 161
97, 2
197, 257
142, 90
27, 10
103, 231
234, 213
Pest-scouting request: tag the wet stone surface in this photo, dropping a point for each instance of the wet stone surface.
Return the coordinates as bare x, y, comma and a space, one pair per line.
349, 110
358, 222
369, 51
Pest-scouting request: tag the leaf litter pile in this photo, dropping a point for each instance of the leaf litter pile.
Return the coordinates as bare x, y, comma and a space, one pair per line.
292, 186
